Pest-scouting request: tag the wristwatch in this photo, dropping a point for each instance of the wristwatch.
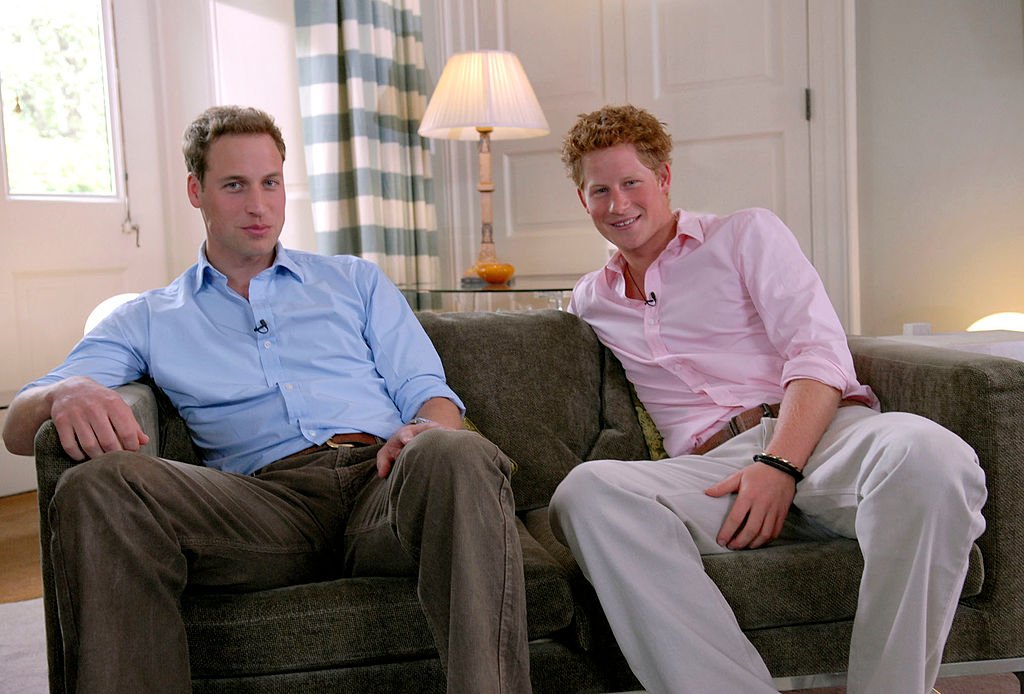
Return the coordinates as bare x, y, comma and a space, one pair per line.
422, 420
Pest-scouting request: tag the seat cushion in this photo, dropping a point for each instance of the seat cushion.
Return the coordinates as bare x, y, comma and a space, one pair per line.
784, 584
343, 622
542, 388
802, 582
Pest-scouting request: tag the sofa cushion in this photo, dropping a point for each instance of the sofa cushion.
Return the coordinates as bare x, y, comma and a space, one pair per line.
343, 622
802, 582
541, 386
783, 584
652, 437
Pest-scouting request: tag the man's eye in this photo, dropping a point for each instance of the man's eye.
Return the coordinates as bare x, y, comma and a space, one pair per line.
233, 185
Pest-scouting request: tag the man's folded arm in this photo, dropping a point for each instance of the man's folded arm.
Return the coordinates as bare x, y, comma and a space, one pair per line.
90, 418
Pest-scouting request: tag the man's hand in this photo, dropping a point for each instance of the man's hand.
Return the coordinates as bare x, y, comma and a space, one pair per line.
764, 494
441, 413
92, 419
763, 498
390, 450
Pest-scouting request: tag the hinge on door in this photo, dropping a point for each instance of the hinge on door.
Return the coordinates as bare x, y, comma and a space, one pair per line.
807, 103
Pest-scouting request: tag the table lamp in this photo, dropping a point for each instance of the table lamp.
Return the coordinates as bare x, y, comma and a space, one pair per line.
484, 95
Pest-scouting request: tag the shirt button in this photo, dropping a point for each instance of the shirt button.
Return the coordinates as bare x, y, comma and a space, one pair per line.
289, 386
311, 432
266, 344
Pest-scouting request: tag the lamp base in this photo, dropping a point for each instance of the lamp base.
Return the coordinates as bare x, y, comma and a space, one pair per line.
486, 255
487, 269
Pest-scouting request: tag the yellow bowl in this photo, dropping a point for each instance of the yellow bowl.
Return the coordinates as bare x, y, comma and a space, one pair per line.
495, 273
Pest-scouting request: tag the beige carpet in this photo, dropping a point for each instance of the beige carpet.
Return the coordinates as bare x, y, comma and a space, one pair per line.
22, 648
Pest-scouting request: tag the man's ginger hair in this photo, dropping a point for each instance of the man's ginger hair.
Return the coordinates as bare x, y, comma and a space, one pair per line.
616, 125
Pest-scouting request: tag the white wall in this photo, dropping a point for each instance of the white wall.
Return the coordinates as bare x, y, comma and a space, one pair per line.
941, 161
228, 52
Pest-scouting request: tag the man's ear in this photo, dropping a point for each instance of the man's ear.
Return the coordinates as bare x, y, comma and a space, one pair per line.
583, 200
664, 175
193, 187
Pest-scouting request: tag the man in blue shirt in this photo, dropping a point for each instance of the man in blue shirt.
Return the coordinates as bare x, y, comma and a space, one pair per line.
332, 446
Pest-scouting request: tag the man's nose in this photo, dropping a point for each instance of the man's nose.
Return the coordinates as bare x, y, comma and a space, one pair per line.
255, 203
619, 201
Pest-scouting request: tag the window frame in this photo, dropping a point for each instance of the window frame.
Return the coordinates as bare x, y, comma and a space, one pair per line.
112, 94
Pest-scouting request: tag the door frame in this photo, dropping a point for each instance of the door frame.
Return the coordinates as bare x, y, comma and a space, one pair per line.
832, 61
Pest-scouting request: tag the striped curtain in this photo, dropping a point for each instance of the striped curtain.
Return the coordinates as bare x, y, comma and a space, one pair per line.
363, 90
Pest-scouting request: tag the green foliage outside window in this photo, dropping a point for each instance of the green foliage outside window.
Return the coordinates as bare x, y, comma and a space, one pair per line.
53, 82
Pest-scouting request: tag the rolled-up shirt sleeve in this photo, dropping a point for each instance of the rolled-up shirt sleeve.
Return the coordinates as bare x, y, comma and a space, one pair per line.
402, 351
798, 316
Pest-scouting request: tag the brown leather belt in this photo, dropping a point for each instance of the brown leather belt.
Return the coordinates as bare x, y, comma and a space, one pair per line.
748, 419
355, 440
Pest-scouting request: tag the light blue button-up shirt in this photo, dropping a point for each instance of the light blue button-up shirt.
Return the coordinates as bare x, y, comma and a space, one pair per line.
341, 351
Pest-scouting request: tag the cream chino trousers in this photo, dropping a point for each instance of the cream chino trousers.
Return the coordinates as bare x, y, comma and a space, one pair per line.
907, 489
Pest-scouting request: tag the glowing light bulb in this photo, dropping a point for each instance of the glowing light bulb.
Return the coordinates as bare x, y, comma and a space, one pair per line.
1006, 320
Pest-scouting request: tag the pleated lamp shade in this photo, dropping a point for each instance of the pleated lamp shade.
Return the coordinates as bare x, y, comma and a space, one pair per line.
483, 89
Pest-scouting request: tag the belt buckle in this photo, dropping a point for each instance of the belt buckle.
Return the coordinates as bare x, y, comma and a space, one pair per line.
330, 443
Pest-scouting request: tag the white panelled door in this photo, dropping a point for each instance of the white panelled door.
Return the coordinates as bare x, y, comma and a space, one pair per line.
727, 76
59, 258
729, 79
63, 256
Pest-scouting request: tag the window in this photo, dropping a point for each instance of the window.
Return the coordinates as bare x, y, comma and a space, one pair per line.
54, 85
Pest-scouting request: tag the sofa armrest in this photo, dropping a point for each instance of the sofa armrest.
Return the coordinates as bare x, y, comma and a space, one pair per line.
51, 463
980, 398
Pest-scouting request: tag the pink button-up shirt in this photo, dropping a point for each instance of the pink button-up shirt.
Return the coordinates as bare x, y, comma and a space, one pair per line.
739, 313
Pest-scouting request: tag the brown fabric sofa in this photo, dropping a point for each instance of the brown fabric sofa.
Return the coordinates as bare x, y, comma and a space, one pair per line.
541, 386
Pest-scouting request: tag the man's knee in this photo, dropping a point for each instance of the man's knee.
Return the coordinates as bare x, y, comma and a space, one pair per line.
454, 478
585, 481
575, 500
460, 454
929, 461
96, 489
97, 479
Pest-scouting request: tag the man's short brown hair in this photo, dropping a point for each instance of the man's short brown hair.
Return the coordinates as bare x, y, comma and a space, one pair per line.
224, 120
616, 125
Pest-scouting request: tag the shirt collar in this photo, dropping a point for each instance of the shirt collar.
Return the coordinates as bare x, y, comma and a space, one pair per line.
688, 226
283, 261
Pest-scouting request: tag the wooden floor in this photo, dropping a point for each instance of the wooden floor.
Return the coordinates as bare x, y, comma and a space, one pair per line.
20, 578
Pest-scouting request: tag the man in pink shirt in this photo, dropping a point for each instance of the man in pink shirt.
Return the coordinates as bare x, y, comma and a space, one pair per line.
727, 333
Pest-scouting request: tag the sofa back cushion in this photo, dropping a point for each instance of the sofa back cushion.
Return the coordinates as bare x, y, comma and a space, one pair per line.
541, 386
